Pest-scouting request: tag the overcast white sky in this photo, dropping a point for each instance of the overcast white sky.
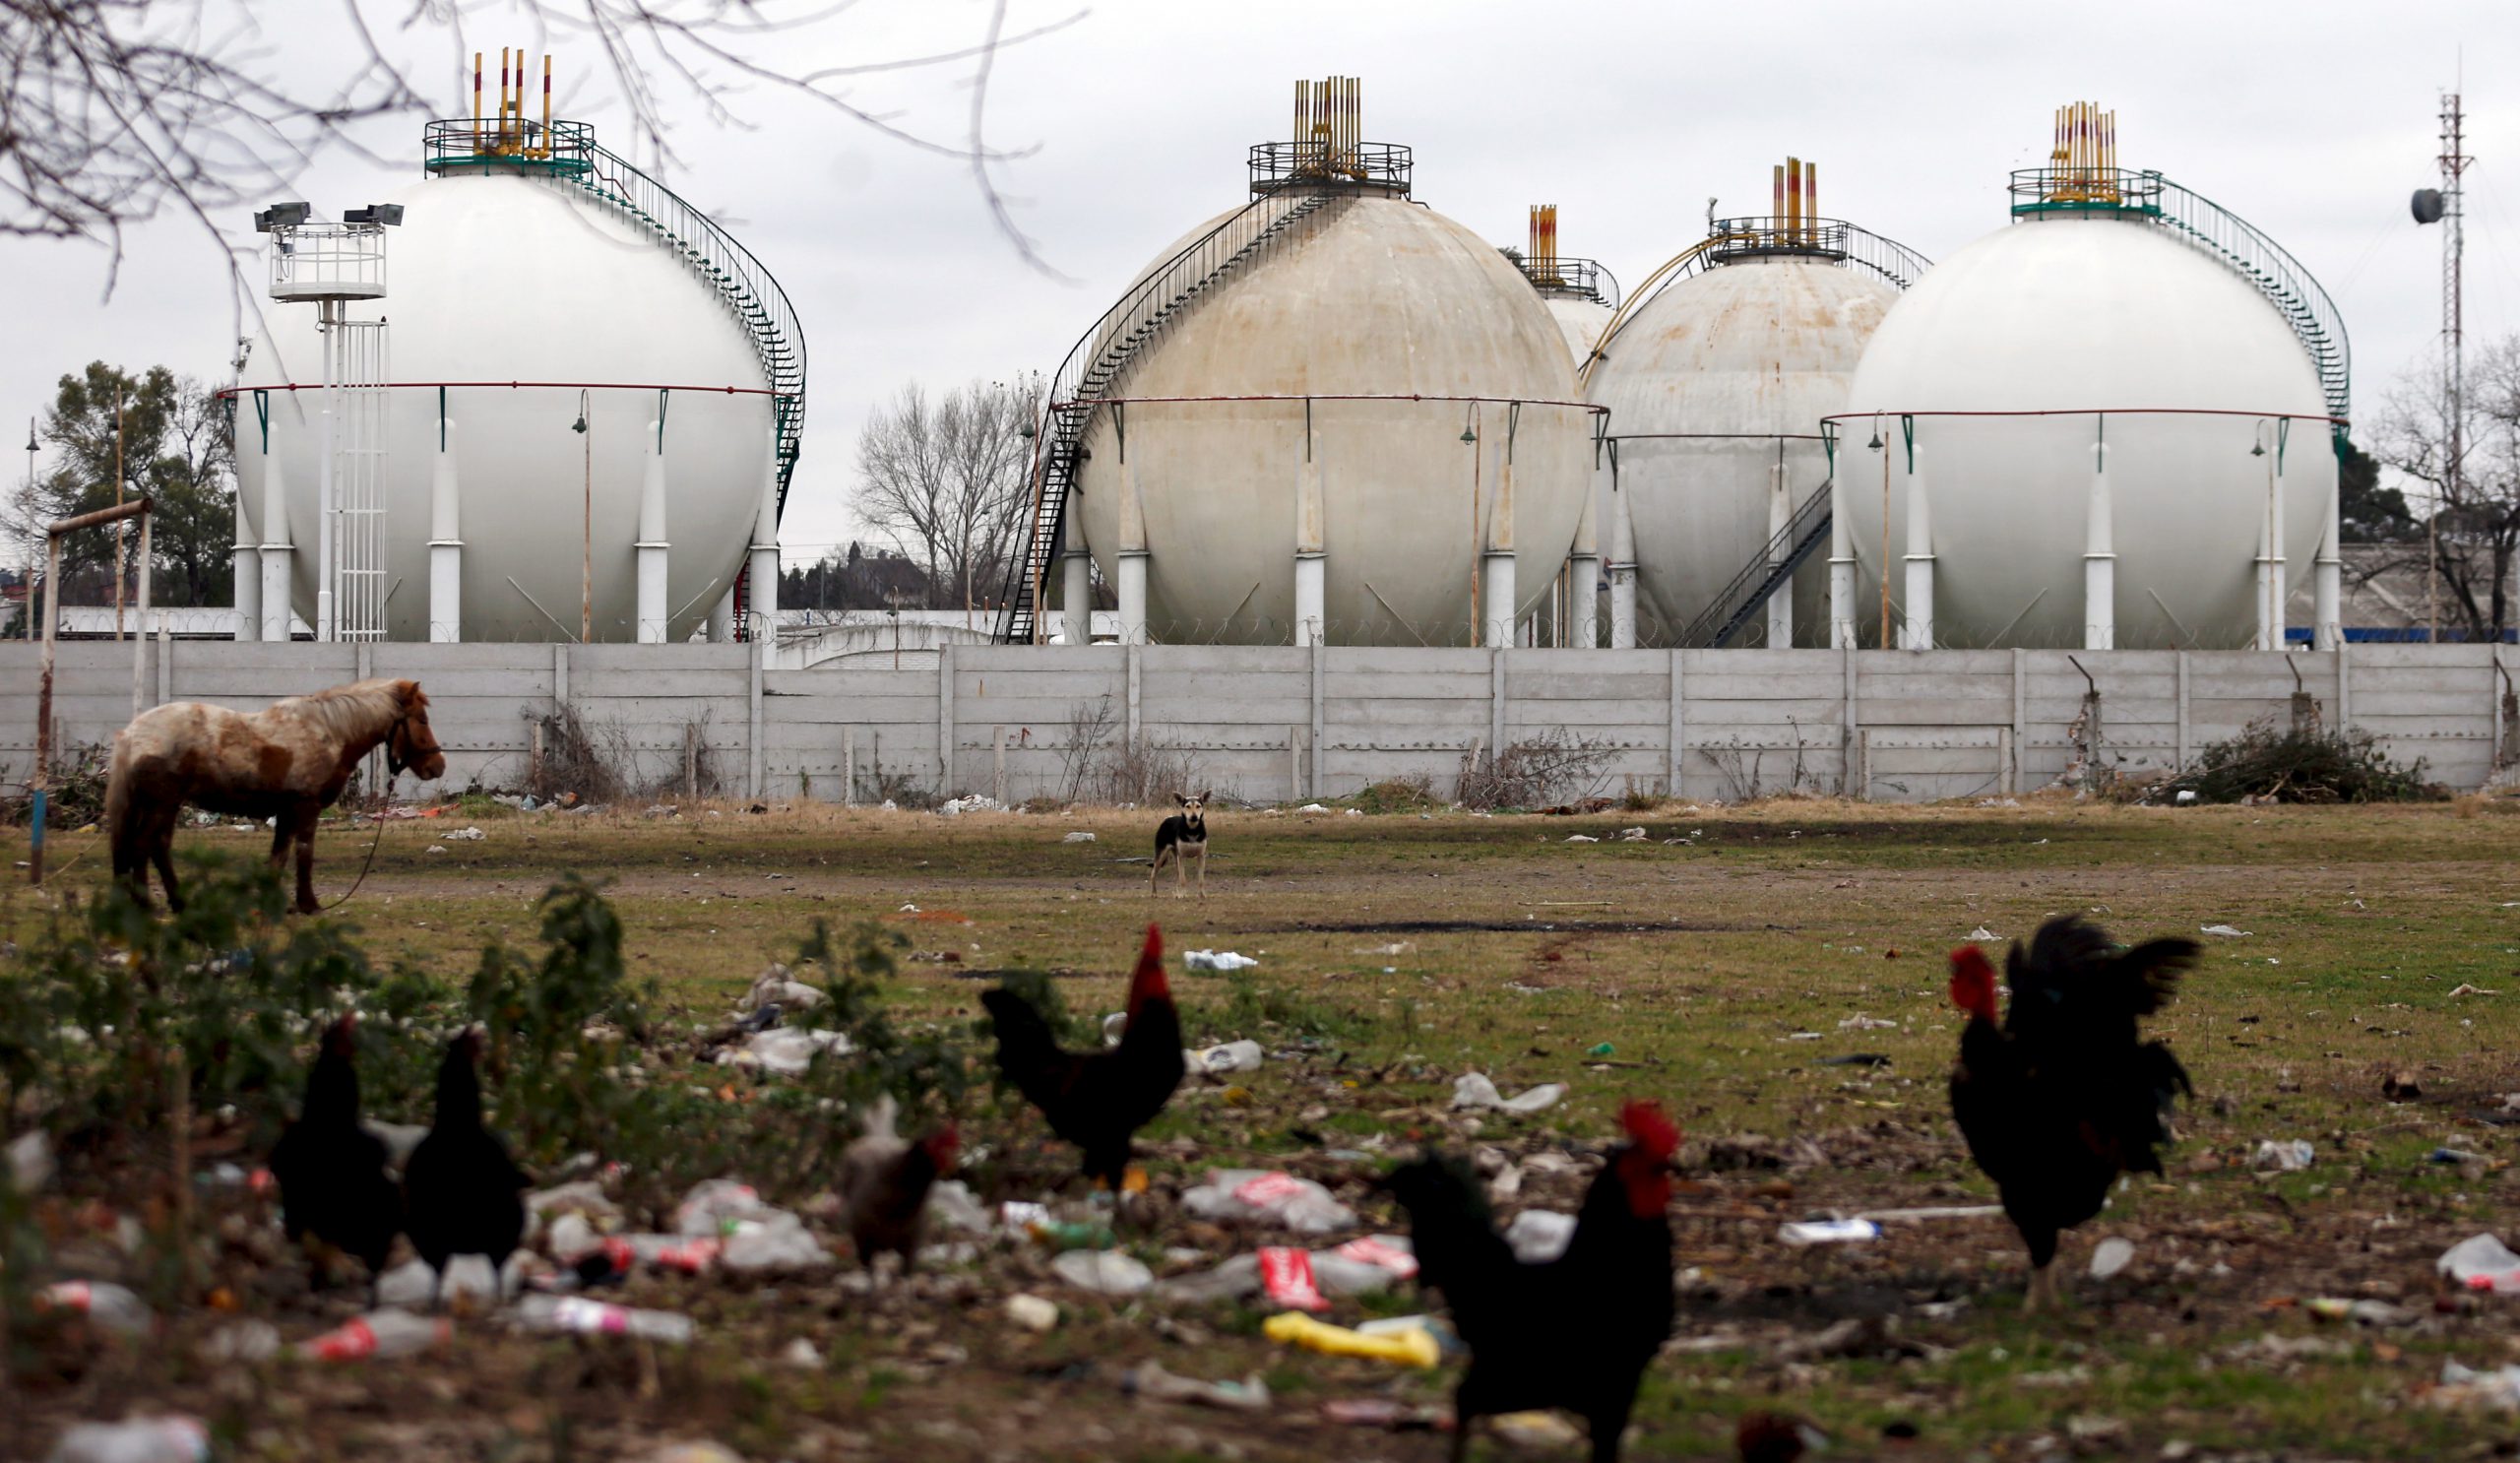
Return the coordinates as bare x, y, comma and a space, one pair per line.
2313, 121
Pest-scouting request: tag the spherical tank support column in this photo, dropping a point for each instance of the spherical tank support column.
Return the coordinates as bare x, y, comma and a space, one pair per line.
1584, 582
2330, 570
2100, 558
248, 573
1311, 559
446, 541
1496, 568
653, 546
1131, 558
1780, 514
762, 594
1076, 597
1919, 632
1840, 566
276, 550
1622, 565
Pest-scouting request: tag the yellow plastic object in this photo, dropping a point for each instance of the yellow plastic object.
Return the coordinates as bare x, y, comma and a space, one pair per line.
1133, 1179
1410, 1348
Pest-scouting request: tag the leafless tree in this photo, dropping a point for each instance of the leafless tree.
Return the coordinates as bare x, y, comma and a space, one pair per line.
113, 110
2475, 511
947, 479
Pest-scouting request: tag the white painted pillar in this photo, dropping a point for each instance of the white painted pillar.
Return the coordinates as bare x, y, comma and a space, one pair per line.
1841, 567
2270, 555
2100, 557
327, 508
1076, 593
2329, 589
653, 546
1780, 515
1496, 590
248, 575
446, 544
1582, 629
762, 595
1131, 559
722, 619
1622, 567
276, 550
1918, 631
1312, 593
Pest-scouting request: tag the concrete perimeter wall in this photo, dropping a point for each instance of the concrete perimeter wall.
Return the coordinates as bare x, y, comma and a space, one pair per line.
1276, 723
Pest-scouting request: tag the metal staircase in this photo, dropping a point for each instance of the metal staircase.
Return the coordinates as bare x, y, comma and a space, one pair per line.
1100, 358
1740, 601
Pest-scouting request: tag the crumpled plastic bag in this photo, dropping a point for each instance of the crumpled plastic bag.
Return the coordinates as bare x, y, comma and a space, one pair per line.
1357, 1268
1299, 1204
2465, 1386
951, 1205
1216, 960
1222, 1061
776, 984
713, 1206
2481, 1262
786, 1050
1539, 1236
1105, 1272
1474, 1090
977, 803
466, 1275
779, 1241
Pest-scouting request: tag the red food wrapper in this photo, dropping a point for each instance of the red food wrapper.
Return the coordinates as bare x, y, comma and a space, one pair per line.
1268, 1190
1390, 1257
1285, 1276
352, 1341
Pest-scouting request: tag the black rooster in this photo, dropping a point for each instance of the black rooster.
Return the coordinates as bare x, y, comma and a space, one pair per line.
2063, 1098
330, 1170
1096, 1100
1576, 1332
462, 1193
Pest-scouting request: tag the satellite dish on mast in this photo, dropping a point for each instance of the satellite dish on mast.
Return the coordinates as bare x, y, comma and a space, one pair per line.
2426, 205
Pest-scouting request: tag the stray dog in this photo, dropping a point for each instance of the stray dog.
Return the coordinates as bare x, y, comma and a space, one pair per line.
1183, 838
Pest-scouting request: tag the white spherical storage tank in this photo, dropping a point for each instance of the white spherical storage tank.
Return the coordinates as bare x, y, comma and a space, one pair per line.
524, 301
2094, 432
1716, 387
1371, 394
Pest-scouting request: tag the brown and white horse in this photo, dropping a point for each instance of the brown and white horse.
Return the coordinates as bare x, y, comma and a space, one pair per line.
287, 762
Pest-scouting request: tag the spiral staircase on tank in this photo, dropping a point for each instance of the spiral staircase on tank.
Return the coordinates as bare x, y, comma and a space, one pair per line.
2189, 216
568, 153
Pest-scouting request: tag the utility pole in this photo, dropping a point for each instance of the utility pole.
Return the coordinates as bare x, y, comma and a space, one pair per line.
2445, 206
118, 553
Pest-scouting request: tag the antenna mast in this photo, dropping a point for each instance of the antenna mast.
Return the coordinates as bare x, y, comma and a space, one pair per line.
2454, 162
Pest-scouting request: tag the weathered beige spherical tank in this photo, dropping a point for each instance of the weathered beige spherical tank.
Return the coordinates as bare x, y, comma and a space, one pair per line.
1716, 387
2112, 327
1371, 385
1580, 318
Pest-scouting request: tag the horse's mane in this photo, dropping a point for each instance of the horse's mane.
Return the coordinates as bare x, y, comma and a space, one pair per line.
359, 709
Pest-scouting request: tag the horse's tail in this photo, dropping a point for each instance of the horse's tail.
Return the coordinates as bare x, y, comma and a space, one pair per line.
123, 835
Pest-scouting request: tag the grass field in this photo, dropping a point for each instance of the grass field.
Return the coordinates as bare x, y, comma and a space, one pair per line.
1727, 961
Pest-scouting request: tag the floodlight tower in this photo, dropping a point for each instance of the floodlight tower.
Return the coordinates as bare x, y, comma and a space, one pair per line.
2445, 206
331, 265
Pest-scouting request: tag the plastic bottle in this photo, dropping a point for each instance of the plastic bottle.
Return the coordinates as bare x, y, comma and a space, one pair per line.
380, 1334
110, 1306
167, 1440
595, 1318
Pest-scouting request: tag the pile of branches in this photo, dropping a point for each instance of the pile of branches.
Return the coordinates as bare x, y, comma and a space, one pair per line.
1551, 768
2298, 763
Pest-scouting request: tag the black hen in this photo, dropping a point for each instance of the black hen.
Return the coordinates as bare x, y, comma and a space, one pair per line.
2063, 1098
1096, 1100
462, 1193
1576, 1332
330, 1170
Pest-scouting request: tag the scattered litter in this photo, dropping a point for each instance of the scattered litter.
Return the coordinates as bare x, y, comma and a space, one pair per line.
2464, 988
1080, 836
1116, 1025
31, 1162
434, 848
775, 987
2110, 1256
1601, 1048
1474, 1090
780, 1243
1412, 1348
1537, 1431
1216, 960
2284, 1157
786, 1050
1933, 1211
1150, 1380
1218, 1061
800, 1354
464, 834
1868, 1022
1031, 1313
714, 1206
2373, 1314
1355, 812
1313, 807
2465, 1387
585, 1317
1982, 933
412, 1283
2481, 1262
1105, 1272
1631, 835
1299, 1204
1829, 1231
977, 803
2455, 1156
174, 1439
2186, 795
1388, 1413
112, 1306
1286, 1278
2223, 930
382, 1334
1387, 1251
693, 1452
1581, 837
241, 1342
1539, 1236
